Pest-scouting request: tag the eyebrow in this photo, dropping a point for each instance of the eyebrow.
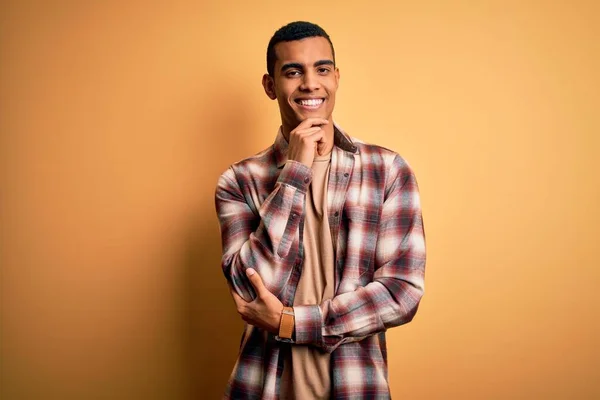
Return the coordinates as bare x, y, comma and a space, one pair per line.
287, 66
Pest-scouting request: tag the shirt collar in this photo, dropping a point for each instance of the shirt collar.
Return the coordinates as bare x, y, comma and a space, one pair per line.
340, 139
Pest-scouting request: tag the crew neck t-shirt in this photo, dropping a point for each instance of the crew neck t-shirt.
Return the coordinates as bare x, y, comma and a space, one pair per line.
307, 371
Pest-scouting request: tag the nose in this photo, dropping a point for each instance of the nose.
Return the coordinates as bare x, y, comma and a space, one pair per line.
310, 82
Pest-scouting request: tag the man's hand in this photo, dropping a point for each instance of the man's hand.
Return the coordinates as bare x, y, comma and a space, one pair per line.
264, 311
307, 138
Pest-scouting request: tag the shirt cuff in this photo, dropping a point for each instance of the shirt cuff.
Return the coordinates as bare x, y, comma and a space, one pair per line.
296, 174
308, 325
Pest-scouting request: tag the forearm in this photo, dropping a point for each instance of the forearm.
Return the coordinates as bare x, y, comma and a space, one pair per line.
353, 316
393, 295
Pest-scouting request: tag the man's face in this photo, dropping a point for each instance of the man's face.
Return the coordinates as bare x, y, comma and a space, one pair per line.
305, 80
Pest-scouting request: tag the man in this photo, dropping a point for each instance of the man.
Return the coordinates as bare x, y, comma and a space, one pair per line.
323, 243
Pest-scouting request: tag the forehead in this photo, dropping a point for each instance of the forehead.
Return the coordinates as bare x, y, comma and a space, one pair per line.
304, 51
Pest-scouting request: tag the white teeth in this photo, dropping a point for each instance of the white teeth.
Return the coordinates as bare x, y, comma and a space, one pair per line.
311, 102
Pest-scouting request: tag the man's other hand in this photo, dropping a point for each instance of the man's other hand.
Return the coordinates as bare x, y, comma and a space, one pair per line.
265, 310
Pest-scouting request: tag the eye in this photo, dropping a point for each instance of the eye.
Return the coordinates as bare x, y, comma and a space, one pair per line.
323, 70
292, 73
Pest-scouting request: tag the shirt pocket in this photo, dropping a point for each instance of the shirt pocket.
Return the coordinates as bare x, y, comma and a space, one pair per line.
363, 228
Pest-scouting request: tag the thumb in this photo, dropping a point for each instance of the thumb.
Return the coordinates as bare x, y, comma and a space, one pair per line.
256, 281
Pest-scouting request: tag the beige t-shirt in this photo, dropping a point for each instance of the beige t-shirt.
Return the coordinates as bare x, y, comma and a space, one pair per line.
307, 373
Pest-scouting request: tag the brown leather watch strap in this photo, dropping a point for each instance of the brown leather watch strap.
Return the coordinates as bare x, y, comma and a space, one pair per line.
286, 324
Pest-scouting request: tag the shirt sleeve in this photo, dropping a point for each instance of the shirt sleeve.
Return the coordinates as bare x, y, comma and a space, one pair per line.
264, 242
392, 298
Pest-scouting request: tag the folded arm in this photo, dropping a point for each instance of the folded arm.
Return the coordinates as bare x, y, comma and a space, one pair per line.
393, 296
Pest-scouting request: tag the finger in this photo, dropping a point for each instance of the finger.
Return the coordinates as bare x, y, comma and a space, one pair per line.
308, 122
315, 137
321, 146
308, 131
317, 121
256, 281
239, 301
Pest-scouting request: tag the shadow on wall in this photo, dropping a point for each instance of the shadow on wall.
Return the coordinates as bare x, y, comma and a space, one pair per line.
212, 326
213, 329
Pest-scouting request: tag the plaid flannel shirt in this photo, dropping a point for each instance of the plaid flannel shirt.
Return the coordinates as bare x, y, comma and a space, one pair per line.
377, 231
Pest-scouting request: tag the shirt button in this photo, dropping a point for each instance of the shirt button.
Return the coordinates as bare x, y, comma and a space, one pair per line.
293, 216
336, 213
306, 180
346, 174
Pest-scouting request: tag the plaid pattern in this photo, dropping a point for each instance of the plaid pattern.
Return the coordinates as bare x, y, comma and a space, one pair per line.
377, 230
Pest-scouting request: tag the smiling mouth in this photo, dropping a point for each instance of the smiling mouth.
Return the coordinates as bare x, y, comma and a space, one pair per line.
310, 103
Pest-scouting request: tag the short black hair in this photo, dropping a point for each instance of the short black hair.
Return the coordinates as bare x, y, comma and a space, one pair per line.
294, 31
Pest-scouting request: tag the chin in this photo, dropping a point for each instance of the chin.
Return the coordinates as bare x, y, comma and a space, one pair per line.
316, 114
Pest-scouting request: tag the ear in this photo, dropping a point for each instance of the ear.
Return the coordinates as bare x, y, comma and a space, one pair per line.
269, 86
337, 76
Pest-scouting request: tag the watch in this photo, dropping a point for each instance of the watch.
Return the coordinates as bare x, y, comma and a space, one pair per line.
286, 324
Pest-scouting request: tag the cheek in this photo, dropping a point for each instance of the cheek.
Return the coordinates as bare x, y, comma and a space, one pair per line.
332, 90
282, 94
332, 98
283, 102
286, 90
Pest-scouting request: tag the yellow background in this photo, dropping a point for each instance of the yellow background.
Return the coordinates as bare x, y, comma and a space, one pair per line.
118, 117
